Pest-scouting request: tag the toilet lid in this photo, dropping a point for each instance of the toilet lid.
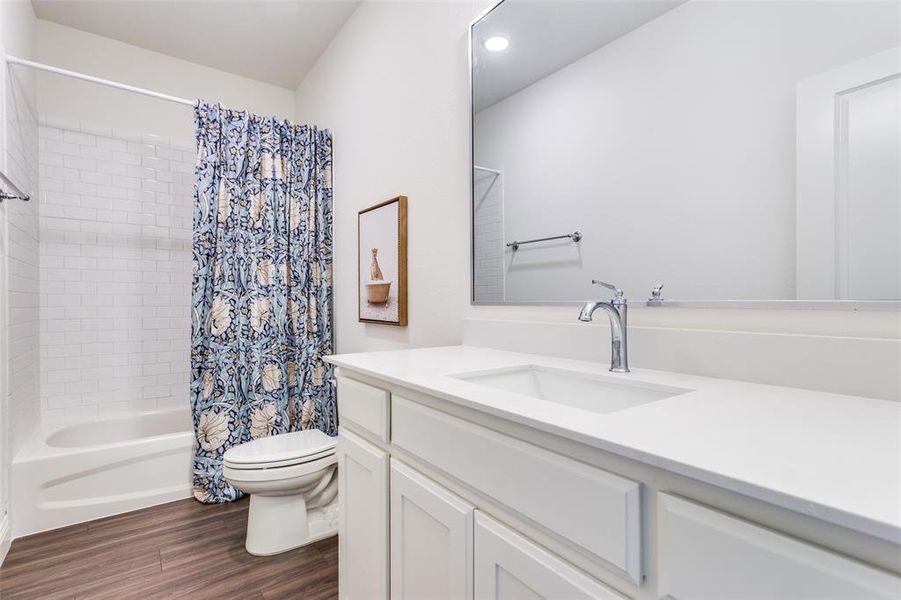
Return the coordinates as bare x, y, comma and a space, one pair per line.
285, 448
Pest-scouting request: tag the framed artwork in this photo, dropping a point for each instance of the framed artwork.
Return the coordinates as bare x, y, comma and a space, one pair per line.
382, 262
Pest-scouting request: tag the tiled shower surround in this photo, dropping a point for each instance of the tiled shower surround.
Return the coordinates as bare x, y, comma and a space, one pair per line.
115, 241
488, 236
23, 261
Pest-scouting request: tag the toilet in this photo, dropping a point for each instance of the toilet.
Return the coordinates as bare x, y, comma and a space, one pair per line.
293, 484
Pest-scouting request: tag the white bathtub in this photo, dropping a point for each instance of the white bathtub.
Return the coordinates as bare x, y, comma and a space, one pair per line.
75, 473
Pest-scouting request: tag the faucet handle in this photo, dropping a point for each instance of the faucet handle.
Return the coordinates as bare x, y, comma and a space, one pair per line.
616, 291
657, 293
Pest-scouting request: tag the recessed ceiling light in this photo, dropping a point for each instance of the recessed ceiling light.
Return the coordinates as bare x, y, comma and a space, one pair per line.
496, 43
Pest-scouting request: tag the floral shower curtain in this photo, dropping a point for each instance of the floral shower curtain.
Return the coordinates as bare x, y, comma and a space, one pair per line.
262, 286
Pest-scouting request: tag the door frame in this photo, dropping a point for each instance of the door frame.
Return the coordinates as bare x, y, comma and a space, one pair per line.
822, 101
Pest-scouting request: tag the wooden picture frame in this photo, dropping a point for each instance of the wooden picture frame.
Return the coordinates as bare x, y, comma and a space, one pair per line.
382, 263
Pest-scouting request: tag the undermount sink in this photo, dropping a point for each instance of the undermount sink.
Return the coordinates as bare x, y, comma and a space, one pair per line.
595, 393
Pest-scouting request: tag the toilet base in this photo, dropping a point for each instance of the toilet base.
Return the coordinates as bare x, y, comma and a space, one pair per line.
276, 524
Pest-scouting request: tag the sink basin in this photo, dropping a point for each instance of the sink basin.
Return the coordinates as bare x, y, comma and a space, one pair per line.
595, 393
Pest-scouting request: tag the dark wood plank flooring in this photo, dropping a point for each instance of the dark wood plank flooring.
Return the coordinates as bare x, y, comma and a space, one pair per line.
176, 550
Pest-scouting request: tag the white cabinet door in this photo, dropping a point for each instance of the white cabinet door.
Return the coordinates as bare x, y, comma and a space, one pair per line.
431, 539
362, 519
510, 567
706, 554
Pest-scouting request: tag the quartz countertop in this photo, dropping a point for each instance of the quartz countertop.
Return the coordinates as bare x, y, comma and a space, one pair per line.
833, 457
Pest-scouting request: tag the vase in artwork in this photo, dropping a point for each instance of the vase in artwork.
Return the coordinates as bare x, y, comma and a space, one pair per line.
377, 289
375, 272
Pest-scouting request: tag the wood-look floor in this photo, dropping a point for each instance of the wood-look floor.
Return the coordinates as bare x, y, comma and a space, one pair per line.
176, 550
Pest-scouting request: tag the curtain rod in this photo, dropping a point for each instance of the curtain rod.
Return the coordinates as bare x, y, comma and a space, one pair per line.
14, 60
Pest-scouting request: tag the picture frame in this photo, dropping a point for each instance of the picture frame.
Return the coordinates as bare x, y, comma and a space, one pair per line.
382, 263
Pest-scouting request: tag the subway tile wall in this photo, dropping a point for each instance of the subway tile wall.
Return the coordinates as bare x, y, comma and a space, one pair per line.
488, 237
22, 263
115, 243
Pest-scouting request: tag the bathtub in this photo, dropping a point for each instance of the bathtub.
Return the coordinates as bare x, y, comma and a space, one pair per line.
83, 471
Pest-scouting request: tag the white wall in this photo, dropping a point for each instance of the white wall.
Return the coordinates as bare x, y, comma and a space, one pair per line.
115, 273
73, 100
19, 404
392, 88
672, 149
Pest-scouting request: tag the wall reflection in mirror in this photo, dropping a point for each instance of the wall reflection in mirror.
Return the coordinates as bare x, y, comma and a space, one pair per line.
733, 150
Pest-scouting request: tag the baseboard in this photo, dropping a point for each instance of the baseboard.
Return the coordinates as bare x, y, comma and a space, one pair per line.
5, 537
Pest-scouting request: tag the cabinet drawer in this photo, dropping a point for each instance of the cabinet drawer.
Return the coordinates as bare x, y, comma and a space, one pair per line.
594, 509
510, 567
704, 553
363, 405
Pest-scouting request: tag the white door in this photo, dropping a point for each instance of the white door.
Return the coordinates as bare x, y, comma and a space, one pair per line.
849, 181
362, 519
510, 567
868, 231
431, 539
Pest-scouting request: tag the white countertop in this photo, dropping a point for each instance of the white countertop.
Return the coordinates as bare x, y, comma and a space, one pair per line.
834, 457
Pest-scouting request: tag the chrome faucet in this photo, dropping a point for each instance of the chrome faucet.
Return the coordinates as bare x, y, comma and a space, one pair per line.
617, 310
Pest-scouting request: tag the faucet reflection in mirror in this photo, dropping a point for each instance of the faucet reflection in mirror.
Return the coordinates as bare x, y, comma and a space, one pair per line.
617, 311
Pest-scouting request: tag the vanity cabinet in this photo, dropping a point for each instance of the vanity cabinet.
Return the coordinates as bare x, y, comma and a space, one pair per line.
362, 518
439, 501
705, 553
510, 567
431, 539
598, 511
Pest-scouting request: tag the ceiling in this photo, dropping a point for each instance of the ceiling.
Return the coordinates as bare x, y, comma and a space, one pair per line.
276, 41
547, 35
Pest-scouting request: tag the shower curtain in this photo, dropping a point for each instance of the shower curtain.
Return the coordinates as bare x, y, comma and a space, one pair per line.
262, 286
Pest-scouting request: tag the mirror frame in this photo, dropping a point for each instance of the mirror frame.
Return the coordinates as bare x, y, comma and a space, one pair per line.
854, 305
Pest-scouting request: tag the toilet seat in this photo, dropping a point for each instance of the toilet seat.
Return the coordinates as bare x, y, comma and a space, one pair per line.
282, 450
273, 474
275, 464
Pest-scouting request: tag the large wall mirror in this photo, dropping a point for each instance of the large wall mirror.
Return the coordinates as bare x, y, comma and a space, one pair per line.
729, 149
